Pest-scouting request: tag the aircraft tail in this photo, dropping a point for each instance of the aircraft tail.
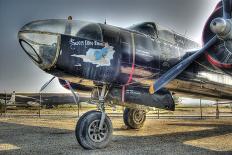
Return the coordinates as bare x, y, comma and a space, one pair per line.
12, 99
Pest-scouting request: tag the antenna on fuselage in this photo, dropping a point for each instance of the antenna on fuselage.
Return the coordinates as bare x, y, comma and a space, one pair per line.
105, 21
68, 27
185, 33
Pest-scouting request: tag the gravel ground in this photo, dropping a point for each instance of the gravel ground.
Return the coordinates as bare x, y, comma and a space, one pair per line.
55, 135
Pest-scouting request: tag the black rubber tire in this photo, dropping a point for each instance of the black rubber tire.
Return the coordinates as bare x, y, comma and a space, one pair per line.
78, 124
125, 116
129, 118
82, 127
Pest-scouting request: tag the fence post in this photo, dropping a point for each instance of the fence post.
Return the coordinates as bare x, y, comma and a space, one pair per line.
5, 108
217, 111
158, 114
78, 110
201, 109
39, 103
1, 108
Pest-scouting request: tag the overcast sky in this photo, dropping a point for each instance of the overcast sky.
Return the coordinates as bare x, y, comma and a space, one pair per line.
17, 72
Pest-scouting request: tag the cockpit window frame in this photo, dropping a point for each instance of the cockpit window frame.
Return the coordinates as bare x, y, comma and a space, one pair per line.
58, 51
39, 61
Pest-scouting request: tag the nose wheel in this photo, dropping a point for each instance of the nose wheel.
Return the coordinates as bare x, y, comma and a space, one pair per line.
134, 118
88, 133
94, 128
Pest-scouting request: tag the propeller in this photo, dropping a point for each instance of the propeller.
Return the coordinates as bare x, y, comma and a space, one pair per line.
222, 29
226, 9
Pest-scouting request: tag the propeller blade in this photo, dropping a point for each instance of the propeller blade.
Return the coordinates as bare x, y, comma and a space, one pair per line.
46, 84
177, 69
75, 96
226, 9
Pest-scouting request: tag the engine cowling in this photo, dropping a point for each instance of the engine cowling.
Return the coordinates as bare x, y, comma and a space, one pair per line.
219, 55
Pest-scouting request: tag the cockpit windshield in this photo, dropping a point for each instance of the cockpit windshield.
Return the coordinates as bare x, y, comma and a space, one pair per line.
41, 39
78, 28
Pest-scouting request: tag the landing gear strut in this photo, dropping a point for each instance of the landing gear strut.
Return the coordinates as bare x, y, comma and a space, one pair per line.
134, 118
94, 128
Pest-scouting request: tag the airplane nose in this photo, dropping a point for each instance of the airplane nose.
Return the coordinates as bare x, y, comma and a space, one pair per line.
41, 47
58, 44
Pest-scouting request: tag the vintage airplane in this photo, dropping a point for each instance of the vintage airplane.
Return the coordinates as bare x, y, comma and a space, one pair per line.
18, 100
49, 100
7, 100
144, 64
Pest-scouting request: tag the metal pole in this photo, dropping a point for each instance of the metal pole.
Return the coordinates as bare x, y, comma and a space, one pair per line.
217, 111
158, 114
80, 105
1, 108
201, 108
39, 103
78, 109
5, 104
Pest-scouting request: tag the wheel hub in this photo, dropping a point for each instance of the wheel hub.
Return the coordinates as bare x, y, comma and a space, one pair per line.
95, 134
138, 116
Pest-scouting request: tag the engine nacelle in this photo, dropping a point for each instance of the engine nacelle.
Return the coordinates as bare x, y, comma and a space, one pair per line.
138, 95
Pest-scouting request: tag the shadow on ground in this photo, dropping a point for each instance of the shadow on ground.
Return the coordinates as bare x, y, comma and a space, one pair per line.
44, 140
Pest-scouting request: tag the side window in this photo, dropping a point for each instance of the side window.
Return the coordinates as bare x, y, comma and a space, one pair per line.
169, 49
143, 44
166, 35
144, 48
148, 28
90, 31
110, 34
180, 41
191, 45
125, 37
125, 45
